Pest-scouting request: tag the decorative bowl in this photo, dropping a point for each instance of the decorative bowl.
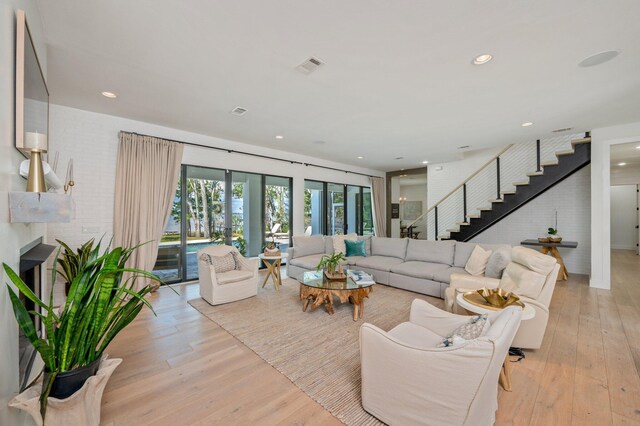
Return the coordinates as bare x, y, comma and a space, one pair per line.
499, 298
555, 239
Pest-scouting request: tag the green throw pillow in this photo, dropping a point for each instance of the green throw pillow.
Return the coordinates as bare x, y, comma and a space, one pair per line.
355, 248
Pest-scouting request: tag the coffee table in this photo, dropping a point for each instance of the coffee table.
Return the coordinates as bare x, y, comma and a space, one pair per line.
316, 289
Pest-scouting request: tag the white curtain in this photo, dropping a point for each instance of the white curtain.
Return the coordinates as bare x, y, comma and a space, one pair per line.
147, 173
378, 196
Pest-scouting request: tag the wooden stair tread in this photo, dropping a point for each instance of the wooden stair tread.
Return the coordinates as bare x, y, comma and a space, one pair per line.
564, 152
581, 140
550, 163
507, 192
535, 173
496, 200
520, 183
473, 216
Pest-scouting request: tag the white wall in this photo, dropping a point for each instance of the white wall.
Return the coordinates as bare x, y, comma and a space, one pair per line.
571, 198
627, 175
91, 139
12, 236
443, 177
624, 217
601, 141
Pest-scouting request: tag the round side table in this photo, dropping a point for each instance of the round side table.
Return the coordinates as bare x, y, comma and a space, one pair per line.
528, 312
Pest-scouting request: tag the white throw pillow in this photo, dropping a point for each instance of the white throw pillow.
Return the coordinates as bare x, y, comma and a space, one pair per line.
338, 242
477, 326
477, 263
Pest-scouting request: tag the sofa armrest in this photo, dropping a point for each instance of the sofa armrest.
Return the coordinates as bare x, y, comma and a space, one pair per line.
472, 282
432, 318
290, 252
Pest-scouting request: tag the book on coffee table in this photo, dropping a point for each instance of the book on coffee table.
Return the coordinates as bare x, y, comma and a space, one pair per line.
360, 277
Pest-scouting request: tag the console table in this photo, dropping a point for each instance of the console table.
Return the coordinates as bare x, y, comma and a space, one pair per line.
552, 249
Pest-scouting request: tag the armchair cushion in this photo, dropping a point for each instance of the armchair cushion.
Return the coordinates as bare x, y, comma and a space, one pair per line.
415, 336
477, 326
233, 276
533, 260
522, 281
220, 264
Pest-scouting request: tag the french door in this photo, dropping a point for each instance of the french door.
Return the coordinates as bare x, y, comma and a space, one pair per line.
217, 206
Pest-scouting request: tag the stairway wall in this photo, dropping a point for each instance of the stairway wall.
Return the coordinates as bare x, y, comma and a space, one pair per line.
572, 199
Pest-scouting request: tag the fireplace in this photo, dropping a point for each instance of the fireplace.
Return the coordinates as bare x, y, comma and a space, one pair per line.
32, 258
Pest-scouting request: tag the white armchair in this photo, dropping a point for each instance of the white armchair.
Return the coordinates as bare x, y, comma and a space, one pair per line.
408, 380
531, 275
227, 286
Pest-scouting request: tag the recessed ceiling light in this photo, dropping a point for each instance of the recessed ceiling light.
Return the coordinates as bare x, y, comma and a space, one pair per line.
638, 147
482, 59
622, 164
425, 162
360, 157
279, 137
598, 58
109, 95
527, 124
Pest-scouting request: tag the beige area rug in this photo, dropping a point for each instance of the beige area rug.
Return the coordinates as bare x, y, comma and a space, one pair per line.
318, 352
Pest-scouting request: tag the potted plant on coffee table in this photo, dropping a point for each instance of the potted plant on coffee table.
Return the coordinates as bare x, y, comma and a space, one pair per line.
102, 301
331, 266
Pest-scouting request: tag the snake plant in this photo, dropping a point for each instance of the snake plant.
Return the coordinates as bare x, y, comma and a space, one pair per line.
101, 302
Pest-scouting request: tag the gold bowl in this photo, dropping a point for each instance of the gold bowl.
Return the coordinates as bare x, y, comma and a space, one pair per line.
498, 297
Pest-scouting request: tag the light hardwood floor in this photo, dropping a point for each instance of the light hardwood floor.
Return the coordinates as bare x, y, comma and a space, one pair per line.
180, 368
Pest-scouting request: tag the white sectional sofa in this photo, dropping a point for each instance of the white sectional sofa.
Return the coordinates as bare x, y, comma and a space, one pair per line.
417, 265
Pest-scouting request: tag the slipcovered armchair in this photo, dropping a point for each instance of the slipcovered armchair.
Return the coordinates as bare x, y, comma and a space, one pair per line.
408, 380
219, 288
531, 275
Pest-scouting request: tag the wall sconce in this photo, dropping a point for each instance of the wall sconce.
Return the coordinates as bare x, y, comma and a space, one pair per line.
36, 144
402, 200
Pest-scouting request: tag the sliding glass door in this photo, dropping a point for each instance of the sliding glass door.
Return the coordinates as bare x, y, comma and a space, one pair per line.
336, 209
216, 206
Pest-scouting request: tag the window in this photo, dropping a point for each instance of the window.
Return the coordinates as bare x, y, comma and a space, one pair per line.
336, 209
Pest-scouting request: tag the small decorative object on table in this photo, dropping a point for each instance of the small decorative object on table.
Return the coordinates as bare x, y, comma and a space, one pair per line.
331, 265
490, 298
270, 249
553, 233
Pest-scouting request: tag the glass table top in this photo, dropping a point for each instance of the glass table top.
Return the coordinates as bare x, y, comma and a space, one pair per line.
317, 279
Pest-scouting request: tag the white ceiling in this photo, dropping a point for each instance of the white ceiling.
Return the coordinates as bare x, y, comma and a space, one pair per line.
625, 153
398, 79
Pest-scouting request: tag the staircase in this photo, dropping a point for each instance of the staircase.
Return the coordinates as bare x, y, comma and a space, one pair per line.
515, 176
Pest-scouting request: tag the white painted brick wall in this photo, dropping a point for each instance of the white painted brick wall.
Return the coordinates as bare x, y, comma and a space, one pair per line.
572, 199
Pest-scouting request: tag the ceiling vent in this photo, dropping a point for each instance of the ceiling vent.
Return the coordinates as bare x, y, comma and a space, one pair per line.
310, 65
562, 130
238, 111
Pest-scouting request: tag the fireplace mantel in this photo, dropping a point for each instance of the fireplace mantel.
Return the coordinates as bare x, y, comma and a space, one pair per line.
40, 207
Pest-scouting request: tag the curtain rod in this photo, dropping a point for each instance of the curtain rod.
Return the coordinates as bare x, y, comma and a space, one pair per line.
251, 154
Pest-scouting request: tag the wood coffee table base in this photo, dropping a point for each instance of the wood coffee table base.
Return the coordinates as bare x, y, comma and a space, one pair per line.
319, 296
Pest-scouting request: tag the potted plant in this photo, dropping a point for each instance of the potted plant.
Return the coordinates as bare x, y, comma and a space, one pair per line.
69, 261
553, 235
271, 249
101, 302
330, 264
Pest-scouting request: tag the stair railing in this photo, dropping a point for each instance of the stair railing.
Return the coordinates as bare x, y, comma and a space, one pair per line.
495, 177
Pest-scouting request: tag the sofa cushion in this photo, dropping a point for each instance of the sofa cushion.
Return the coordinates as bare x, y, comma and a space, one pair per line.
307, 262
352, 260
328, 245
533, 260
367, 243
431, 251
477, 263
390, 247
522, 281
419, 269
415, 336
381, 263
498, 261
463, 251
444, 276
233, 276
305, 246
339, 242
355, 248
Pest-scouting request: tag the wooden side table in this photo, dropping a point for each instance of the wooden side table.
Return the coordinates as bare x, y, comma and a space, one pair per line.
273, 264
527, 313
552, 250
